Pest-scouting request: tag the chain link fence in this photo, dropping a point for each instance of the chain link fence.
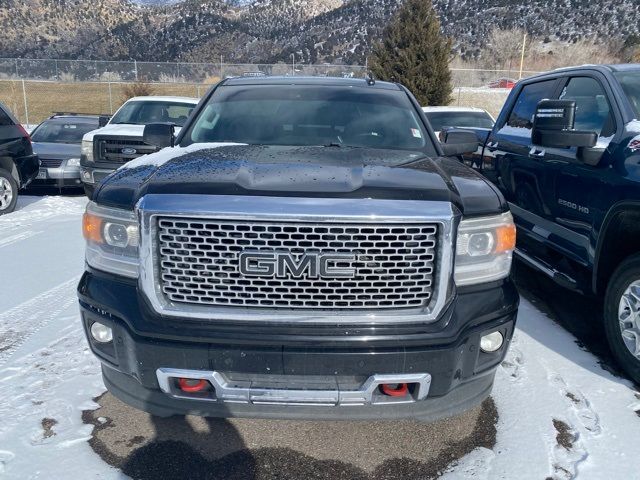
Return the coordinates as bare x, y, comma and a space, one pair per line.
32, 101
35, 89
158, 72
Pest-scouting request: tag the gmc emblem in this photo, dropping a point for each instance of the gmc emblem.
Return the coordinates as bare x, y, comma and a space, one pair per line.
283, 264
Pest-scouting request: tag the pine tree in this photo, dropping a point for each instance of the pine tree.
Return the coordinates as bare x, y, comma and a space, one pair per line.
414, 53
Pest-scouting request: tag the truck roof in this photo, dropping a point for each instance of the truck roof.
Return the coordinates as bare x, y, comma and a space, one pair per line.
443, 108
320, 81
160, 98
622, 67
76, 118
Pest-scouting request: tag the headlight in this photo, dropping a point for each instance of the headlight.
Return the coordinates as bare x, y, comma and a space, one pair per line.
87, 150
484, 249
73, 162
112, 239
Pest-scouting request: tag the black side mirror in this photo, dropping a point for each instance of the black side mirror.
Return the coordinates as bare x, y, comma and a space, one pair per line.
553, 126
459, 142
103, 120
159, 135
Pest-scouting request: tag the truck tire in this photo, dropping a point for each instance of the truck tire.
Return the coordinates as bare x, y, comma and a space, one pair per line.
88, 190
8, 192
622, 316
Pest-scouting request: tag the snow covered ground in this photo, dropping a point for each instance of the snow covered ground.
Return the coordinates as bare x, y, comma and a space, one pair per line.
561, 415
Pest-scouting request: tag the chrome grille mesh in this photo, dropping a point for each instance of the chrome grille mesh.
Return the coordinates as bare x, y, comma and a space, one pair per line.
112, 149
198, 263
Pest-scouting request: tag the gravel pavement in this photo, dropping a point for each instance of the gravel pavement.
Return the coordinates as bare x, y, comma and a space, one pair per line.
147, 447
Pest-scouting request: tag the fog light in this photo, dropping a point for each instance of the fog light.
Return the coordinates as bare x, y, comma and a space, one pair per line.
101, 333
491, 342
87, 176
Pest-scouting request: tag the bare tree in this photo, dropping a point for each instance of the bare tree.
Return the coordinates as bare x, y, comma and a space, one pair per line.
137, 89
504, 48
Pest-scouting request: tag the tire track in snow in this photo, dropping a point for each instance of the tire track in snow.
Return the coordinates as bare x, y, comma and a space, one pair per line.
35, 213
10, 240
514, 362
18, 324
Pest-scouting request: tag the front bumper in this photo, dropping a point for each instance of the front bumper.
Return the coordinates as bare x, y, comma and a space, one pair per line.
61, 177
92, 173
27, 167
447, 351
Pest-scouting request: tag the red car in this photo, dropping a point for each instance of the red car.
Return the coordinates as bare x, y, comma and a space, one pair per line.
503, 83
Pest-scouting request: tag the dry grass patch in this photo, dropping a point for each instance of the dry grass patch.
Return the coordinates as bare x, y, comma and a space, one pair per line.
46, 98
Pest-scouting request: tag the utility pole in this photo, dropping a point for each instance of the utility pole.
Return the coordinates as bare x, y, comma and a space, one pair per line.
221, 71
293, 64
524, 42
26, 108
110, 99
135, 68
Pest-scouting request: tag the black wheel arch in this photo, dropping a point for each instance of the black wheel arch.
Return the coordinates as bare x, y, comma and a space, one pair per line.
618, 239
7, 163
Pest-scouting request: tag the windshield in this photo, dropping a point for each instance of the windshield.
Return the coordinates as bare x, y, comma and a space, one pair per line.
55, 131
143, 113
630, 82
440, 120
310, 115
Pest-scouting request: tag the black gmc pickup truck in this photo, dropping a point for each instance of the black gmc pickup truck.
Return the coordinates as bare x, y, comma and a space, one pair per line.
302, 249
565, 152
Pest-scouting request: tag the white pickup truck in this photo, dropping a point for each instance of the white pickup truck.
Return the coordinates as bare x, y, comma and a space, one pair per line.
120, 141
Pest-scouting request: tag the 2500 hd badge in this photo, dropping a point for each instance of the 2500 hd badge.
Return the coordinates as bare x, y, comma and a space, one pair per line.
303, 249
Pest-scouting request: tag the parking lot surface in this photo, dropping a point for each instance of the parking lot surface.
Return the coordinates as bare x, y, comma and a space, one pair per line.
557, 411
146, 447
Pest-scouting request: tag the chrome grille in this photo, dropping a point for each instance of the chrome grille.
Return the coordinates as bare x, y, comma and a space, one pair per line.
198, 263
50, 162
115, 149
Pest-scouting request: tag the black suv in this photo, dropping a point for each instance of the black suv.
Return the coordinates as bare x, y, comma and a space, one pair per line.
18, 165
565, 152
302, 249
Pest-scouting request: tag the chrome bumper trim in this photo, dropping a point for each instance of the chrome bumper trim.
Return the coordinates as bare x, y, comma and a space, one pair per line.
246, 392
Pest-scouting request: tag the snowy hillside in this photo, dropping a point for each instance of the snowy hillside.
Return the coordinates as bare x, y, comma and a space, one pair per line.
270, 30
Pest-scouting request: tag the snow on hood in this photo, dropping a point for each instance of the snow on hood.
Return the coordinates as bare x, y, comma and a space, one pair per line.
125, 129
633, 126
163, 156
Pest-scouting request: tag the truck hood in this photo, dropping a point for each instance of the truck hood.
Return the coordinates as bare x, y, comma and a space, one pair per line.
60, 151
125, 130
232, 169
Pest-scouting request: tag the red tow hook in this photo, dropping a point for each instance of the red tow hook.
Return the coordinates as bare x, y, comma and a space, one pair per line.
400, 390
191, 385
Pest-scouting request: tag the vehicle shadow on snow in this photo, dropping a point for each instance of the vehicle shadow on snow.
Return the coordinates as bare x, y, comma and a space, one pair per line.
580, 315
148, 447
34, 195
26, 200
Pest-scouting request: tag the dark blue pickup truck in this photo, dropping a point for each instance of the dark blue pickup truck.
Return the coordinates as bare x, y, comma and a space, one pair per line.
565, 152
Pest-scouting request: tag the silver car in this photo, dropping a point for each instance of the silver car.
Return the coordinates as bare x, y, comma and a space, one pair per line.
57, 142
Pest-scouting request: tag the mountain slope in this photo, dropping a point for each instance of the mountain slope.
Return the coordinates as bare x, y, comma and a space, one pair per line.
272, 30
